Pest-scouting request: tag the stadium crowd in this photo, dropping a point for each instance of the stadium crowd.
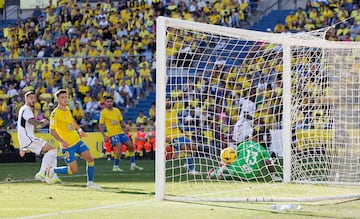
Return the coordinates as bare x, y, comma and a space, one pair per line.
92, 49
107, 48
343, 16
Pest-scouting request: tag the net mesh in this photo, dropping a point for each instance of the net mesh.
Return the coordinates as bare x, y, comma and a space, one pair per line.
226, 91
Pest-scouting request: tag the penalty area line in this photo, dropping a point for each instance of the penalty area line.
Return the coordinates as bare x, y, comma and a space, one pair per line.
86, 209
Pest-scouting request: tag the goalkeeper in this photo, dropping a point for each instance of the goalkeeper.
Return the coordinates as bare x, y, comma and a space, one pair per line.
253, 162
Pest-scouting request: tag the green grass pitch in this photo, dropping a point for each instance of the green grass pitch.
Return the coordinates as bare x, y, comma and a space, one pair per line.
129, 194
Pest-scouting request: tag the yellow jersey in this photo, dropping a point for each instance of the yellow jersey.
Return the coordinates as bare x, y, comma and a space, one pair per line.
62, 122
172, 123
111, 119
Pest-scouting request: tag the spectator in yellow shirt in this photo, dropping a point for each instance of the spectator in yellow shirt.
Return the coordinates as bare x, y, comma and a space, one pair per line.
279, 27
115, 65
50, 17
45, 97
83, 89
93, 52
46, 73
141, 119
130, 72
137, 83
87, 98
152, 111
342, 31
290, 19
61, 68
78, 112
103, 72
126, 45
145, 74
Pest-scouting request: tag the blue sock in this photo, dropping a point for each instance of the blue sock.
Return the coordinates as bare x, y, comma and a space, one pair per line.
190, 161
116, 161
62, 170
90, 171
132, 159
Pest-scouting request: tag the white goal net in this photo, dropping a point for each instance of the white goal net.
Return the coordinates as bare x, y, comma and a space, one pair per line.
287, 104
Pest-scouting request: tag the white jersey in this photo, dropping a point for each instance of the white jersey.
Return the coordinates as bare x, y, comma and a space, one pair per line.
243, 128
24, 128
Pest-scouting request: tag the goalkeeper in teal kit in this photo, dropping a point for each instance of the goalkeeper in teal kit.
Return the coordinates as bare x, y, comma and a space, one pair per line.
252, 162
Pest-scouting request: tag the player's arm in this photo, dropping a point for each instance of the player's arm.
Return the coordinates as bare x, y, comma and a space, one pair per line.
77, 127
36, 122
123, 124
102, 126
102, 131
58, 138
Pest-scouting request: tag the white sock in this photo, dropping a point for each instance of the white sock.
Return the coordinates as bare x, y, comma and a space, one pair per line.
49, 159
53, 155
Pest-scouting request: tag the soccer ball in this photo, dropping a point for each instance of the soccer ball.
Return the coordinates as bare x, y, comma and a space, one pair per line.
228, 156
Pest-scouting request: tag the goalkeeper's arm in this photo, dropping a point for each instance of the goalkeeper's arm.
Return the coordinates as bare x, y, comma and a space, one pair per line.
218, 172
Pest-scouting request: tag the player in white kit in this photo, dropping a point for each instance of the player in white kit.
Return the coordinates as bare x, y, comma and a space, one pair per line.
28, 142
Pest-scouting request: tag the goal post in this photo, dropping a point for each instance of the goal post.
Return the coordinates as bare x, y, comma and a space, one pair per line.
160, 108
287, 104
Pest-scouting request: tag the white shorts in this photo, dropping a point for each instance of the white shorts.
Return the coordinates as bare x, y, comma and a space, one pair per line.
36, 145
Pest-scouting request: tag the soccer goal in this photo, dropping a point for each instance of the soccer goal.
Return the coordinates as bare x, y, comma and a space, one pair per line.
296, 96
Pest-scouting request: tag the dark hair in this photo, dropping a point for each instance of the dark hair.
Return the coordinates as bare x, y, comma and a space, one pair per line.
108, 97
29, 93
61, 91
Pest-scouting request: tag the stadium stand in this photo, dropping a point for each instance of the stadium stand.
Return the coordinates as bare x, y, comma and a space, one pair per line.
92, 47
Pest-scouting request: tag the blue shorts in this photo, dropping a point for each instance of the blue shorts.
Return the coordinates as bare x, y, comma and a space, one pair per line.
69, 153
178, 142
122, 138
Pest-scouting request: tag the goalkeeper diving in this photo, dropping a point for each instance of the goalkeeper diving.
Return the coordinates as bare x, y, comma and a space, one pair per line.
251, 162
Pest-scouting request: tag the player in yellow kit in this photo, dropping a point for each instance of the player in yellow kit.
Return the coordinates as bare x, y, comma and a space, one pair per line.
177, 139
111, 119
64, 128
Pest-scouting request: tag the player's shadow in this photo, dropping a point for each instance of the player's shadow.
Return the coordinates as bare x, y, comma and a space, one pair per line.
111, 189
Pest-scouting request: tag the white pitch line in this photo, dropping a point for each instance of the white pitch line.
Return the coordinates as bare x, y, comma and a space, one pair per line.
85, 209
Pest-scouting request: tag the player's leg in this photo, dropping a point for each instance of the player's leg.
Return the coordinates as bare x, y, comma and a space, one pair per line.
108, 147
125, 140
71, 167
270, 166
50, 160
189, 148
123, 151
36, 147
116, 144
39, 146
217, 172
90, 169
117, 155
